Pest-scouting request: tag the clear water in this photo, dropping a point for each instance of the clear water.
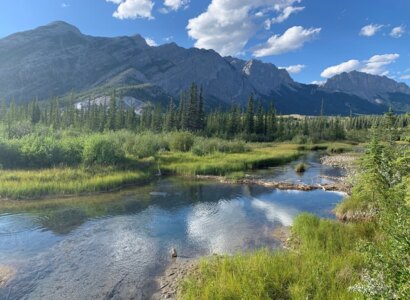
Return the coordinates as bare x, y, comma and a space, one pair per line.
112, 246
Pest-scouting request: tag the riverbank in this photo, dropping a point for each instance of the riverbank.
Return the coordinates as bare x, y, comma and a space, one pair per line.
65, 182
201, 279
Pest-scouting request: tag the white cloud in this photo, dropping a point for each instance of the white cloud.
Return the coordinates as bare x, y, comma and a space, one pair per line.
376, 65
295, 69
397, 32
168, 38
370, 30
65, 5
133, 9
405, 77
151, 42
347, 66
283, 16
175, 4
293, 38
227, 25
318, 82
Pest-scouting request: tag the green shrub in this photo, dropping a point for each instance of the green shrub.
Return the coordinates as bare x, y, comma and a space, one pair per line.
181, 141
100, 150
146, 145
10, 156
206, 146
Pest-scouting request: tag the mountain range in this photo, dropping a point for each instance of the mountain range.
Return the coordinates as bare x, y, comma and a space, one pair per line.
57, 60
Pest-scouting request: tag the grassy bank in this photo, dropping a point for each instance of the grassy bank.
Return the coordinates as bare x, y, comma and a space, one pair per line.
187, 164
323, 266
131, 169
365, 259
29, 184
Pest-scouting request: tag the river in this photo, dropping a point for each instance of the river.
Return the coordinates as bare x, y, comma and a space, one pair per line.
113, 245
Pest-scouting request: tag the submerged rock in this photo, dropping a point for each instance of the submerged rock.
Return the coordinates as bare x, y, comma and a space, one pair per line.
6, 274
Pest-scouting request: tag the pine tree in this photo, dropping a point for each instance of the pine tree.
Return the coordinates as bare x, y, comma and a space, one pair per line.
170, 117
35, 112
260, 122
249, 121
112, 112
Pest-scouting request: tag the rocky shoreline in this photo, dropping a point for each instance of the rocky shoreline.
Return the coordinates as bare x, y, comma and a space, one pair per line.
169, 282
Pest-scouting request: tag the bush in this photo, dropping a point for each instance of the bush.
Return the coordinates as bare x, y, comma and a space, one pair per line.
10, 156
146, 145
203, 146
181, 141
41, 151
101, 150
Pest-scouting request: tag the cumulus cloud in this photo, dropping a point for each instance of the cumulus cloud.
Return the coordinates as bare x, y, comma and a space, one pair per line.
227, 25
376, 65
293, 38
175, 4
405, 77
370, 30
397, 32
151, 42
347, 66
133, 9
294, 69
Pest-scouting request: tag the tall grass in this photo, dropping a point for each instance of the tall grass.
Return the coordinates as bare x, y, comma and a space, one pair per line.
23, 184
219, 163
323, 265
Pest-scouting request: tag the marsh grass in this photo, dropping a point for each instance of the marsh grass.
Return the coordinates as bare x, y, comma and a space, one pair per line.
322, 265
221, 164
24, 184
301, 167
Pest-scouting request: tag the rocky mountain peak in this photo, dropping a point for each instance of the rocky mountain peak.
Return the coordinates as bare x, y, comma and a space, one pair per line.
58, 27
371, 87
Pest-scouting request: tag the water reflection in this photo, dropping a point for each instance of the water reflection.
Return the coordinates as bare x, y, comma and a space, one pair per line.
110, 246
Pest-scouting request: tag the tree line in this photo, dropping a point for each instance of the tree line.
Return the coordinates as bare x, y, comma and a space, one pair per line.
255, 122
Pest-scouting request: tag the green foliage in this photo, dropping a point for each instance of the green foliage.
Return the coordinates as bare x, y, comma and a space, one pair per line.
181, 141
101, 150
204, 146
146, 144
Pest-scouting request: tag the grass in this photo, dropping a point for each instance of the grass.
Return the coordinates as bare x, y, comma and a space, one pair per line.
301, 167
323, 265
34, 184
29, 184
188, 164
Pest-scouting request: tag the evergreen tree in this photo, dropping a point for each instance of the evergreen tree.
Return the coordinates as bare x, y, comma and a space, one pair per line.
112, 112
249, 120
170, 117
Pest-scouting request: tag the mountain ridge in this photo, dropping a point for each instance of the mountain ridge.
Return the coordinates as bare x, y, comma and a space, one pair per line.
56, 59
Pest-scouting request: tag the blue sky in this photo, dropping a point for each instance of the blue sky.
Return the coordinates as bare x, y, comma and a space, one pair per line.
314, 39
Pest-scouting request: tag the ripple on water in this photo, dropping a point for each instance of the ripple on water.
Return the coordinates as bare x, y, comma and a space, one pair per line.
11, 224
